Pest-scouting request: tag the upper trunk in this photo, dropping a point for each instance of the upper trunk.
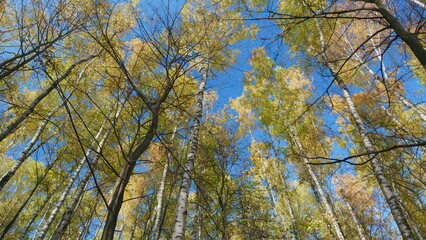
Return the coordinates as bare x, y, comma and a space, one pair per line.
181, 211
410, 39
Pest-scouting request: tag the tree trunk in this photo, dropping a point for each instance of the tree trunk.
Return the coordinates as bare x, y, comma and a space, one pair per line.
86, 228
378, 170
412, 106
34, 217
410, 39
24, 204
322, 196
65, 192
387, 191
421, 4
28, 149
355, 218
181, 211
407, 213
160, 195
15, 123
72, 206
294, 227
116, 200
384, 78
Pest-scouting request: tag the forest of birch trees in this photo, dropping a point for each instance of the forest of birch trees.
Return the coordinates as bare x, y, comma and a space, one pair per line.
213, 119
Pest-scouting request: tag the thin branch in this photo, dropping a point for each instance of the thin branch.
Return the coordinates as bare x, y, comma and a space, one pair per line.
370, 154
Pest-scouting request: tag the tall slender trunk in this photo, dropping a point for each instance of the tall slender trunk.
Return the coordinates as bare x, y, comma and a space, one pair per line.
149, 224
114, 205
286, 196
160, 195
98, 229
86, 228
277, 215
36, 214
29, 149
65, 192
269, 189
385, 81
181, 211
24, 204
378, 170
116, 200
412, 106
322, 195
410, 39
355, 218
407, 213
294, 228
132, 233
72, 206
30, 109
421, 4
135, 223
198, 233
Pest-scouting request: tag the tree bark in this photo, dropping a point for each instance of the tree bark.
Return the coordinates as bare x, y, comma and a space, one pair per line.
322, 195
28, 149
72, 206
65, 192
30, 109
355, 218
86, 228
384, 80
378, 170
286, 196
419, 3
116, 200
160, 195
34, 217
24, 204
181, 211
412, 106
410, 39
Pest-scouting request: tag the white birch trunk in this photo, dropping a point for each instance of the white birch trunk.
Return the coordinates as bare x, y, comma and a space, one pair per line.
384, 80
72, 206
421, 4
30, 109
323, 198
387, 191
378, 170
412, 106
34, 217
294, 227
358, 225
160, 195
181, 212
66, 191
28, 149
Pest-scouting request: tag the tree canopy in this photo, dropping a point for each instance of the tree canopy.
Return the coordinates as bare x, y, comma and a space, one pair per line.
213, 119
